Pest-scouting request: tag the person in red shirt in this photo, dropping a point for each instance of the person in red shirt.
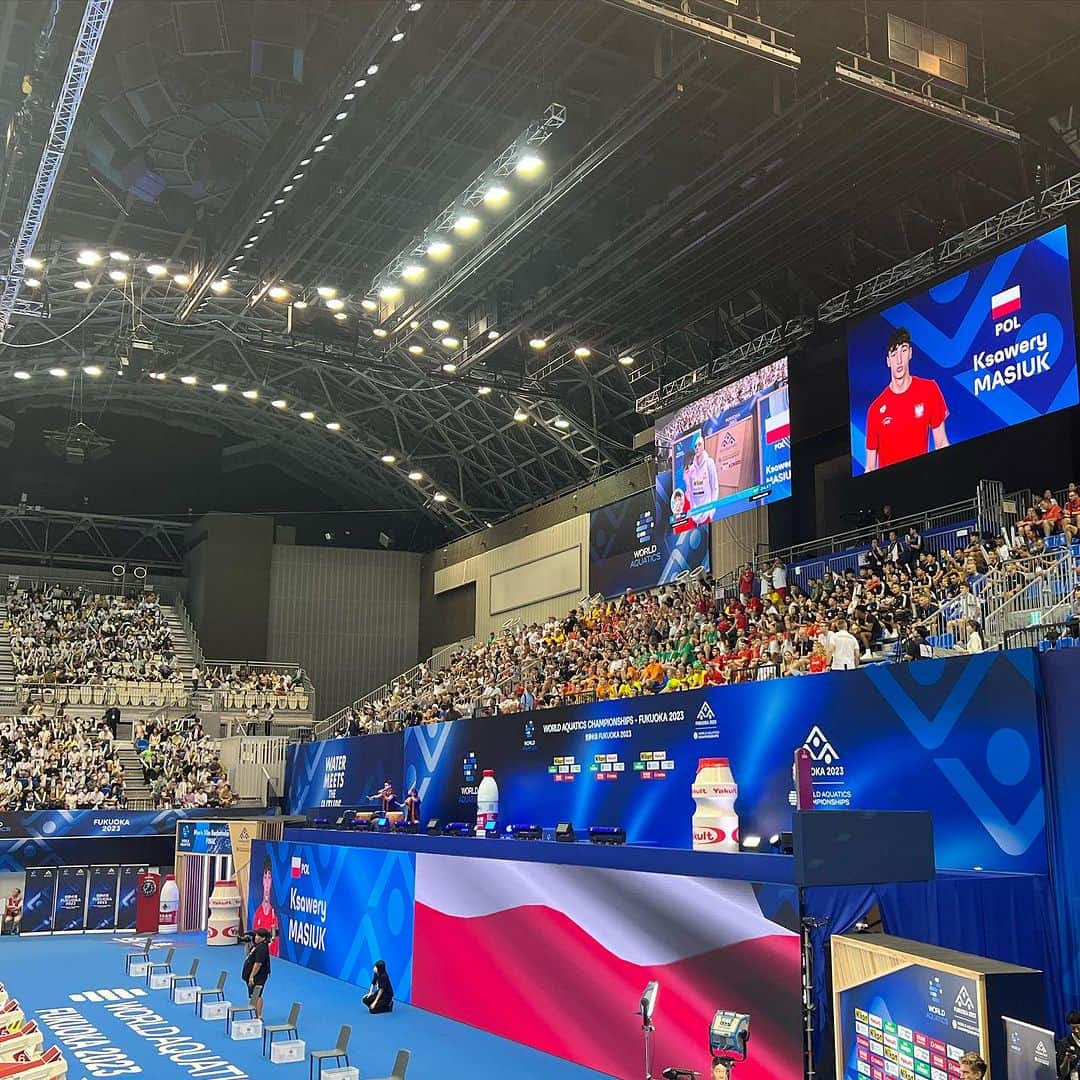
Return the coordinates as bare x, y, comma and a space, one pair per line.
1072, 508
746, 582
908, 411
265, 915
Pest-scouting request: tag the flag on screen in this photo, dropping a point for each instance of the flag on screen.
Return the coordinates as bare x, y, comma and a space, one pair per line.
1005, 303
778, 426
296, 866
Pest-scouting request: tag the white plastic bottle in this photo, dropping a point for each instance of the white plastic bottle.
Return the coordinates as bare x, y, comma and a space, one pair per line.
487, 801
716, 825
170, 901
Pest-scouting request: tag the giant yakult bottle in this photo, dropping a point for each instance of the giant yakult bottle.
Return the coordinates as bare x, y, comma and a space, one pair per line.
487, 801
716, 826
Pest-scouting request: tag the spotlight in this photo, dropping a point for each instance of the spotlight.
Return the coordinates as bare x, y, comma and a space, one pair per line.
494, 335
368, 304
440, 324
416, 350
414, 475
307, 414
119, 256
189, 380
340, 316
561, 423
529, 165
373, 69
58, 372
88, 257
496, 195
33, 264
388, 459
520, 415
398, 35
449, 368
626, 361
451, 342
183, 280
83, 284
416, 5
305, 161
21, 375
327, 137
219, 286
278, 292
156, 270
379, 332
439, 249
412, 272
358, 84
466, 224
390, 292
298, 176
251, 395
751, 843
115, 275
582, 353
333, 426
287, 188
326, 292
92, 370
279, 403
439, 497
300, 305
537, 343
341, 116
35, 283
335, 303
350, 96
220, 387
483, 391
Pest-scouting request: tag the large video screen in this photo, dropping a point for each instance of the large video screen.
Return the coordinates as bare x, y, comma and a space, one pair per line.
987, 349
727, 451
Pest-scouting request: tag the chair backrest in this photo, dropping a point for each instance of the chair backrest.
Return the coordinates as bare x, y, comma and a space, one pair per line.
194, 967
147, 944
221, 980
169, 954
401, 1063
344, 1035
294, 1014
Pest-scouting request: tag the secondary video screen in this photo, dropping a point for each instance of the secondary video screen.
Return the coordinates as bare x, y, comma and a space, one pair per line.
991, 347
727, 451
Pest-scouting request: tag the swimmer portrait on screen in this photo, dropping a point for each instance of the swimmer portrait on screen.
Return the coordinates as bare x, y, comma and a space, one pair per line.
701, 482
906, 413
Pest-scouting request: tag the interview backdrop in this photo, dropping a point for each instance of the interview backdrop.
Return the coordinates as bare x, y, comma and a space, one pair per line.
327, 774
967, 728
995, 343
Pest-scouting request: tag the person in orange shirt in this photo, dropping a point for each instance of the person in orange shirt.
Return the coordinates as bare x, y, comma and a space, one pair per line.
654, 676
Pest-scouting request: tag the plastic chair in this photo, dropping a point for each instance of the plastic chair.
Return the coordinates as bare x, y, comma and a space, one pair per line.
213, 993
339, 1053
236, 1010
163, 965
289, 1027
187, 979
139, 954
401, 1064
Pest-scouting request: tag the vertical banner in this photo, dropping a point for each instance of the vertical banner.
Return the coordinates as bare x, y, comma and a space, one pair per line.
241, 834
147, 910
40, 898
72, 882
101, 901
1029, 1050
127, 899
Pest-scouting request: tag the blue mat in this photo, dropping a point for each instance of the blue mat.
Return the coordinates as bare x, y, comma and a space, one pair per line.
75, 987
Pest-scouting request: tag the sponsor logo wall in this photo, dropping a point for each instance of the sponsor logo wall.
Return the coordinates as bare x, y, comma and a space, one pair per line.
967, 728
991, 347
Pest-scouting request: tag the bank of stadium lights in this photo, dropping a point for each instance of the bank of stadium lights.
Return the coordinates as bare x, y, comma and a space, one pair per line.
489, 190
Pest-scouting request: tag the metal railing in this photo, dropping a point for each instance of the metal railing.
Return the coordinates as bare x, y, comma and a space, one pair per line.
1044, 636
189, 630
132, 693
236, 699
1023, 589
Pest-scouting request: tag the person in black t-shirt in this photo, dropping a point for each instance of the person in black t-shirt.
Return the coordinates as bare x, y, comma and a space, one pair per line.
380, 995
257, 969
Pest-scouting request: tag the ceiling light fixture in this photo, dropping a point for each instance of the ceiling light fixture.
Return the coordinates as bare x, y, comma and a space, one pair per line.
333, 426
220, 387
626, 361
83, 284
538, 343
450, 342
92, 370
327, 137
278, 292
341, 116
300, 304
279, 403
390, 292
360, 83
368, 304
88, 257
340, 316
440, 324
21, 374
414, 475
496, 195
33, 264
416, 350
529, 165
439, 249
379, 332
119, 256
561, 423
493, 335
115, 275
219, 286
287, 188
483, 391
520, 415
398, 35
334, 303
388, 459
449, 368
582, 353
373, 69
439, 497
303, 161
251, 395
183, 280
413, 272
189, 380
307, 414
156, 270
466, 224
33, 282
327, 292
58, 372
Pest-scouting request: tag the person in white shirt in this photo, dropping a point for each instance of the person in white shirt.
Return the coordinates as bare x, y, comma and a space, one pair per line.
974, 642
843, 648
779, 578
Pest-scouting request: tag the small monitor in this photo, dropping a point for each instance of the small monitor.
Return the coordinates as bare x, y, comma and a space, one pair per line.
564, 833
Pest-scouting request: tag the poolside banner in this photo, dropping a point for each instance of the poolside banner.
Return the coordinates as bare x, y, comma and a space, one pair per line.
330, 774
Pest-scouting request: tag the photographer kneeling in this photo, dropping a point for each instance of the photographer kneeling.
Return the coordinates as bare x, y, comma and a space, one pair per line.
380, 996
257, 968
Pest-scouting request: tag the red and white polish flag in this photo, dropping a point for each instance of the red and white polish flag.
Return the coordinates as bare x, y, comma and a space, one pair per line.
1005, 303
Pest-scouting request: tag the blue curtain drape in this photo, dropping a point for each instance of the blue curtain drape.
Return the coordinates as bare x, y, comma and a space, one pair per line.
1007, 917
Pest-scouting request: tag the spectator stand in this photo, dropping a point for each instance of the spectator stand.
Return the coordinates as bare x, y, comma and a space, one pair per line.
244, 698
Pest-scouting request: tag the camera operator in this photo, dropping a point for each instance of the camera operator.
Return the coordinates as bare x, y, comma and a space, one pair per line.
257, 968
1068, 1049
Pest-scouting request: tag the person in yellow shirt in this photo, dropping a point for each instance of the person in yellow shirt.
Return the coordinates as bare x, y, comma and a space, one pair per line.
695, 680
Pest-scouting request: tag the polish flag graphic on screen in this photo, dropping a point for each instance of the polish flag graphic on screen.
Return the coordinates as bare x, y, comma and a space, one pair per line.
1005, 303
777, 427
297, 865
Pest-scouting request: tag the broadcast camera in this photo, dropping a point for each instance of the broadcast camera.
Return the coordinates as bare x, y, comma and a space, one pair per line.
729, 1033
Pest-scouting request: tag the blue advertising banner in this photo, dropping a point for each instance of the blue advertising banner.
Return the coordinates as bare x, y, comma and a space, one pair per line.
631, 546
1030, 1051
919, 1018
330, 773
956, 737
101, 899
336, 910
127, 901
71, 888
40, 899
204, 838
64, 824
989, 348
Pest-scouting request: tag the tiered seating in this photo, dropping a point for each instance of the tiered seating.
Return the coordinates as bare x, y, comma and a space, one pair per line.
243, 688
181, 763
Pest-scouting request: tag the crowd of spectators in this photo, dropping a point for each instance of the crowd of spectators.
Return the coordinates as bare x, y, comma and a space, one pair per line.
692, 634
72, 635
53, 761
243, 678
181, 763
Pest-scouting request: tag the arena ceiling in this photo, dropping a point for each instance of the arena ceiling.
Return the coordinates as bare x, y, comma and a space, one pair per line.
686, 197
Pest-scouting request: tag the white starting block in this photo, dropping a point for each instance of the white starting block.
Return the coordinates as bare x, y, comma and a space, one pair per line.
184, 995
138, 969
288, 1050
160, 980
346, 1072
248, 1029
215, 1010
